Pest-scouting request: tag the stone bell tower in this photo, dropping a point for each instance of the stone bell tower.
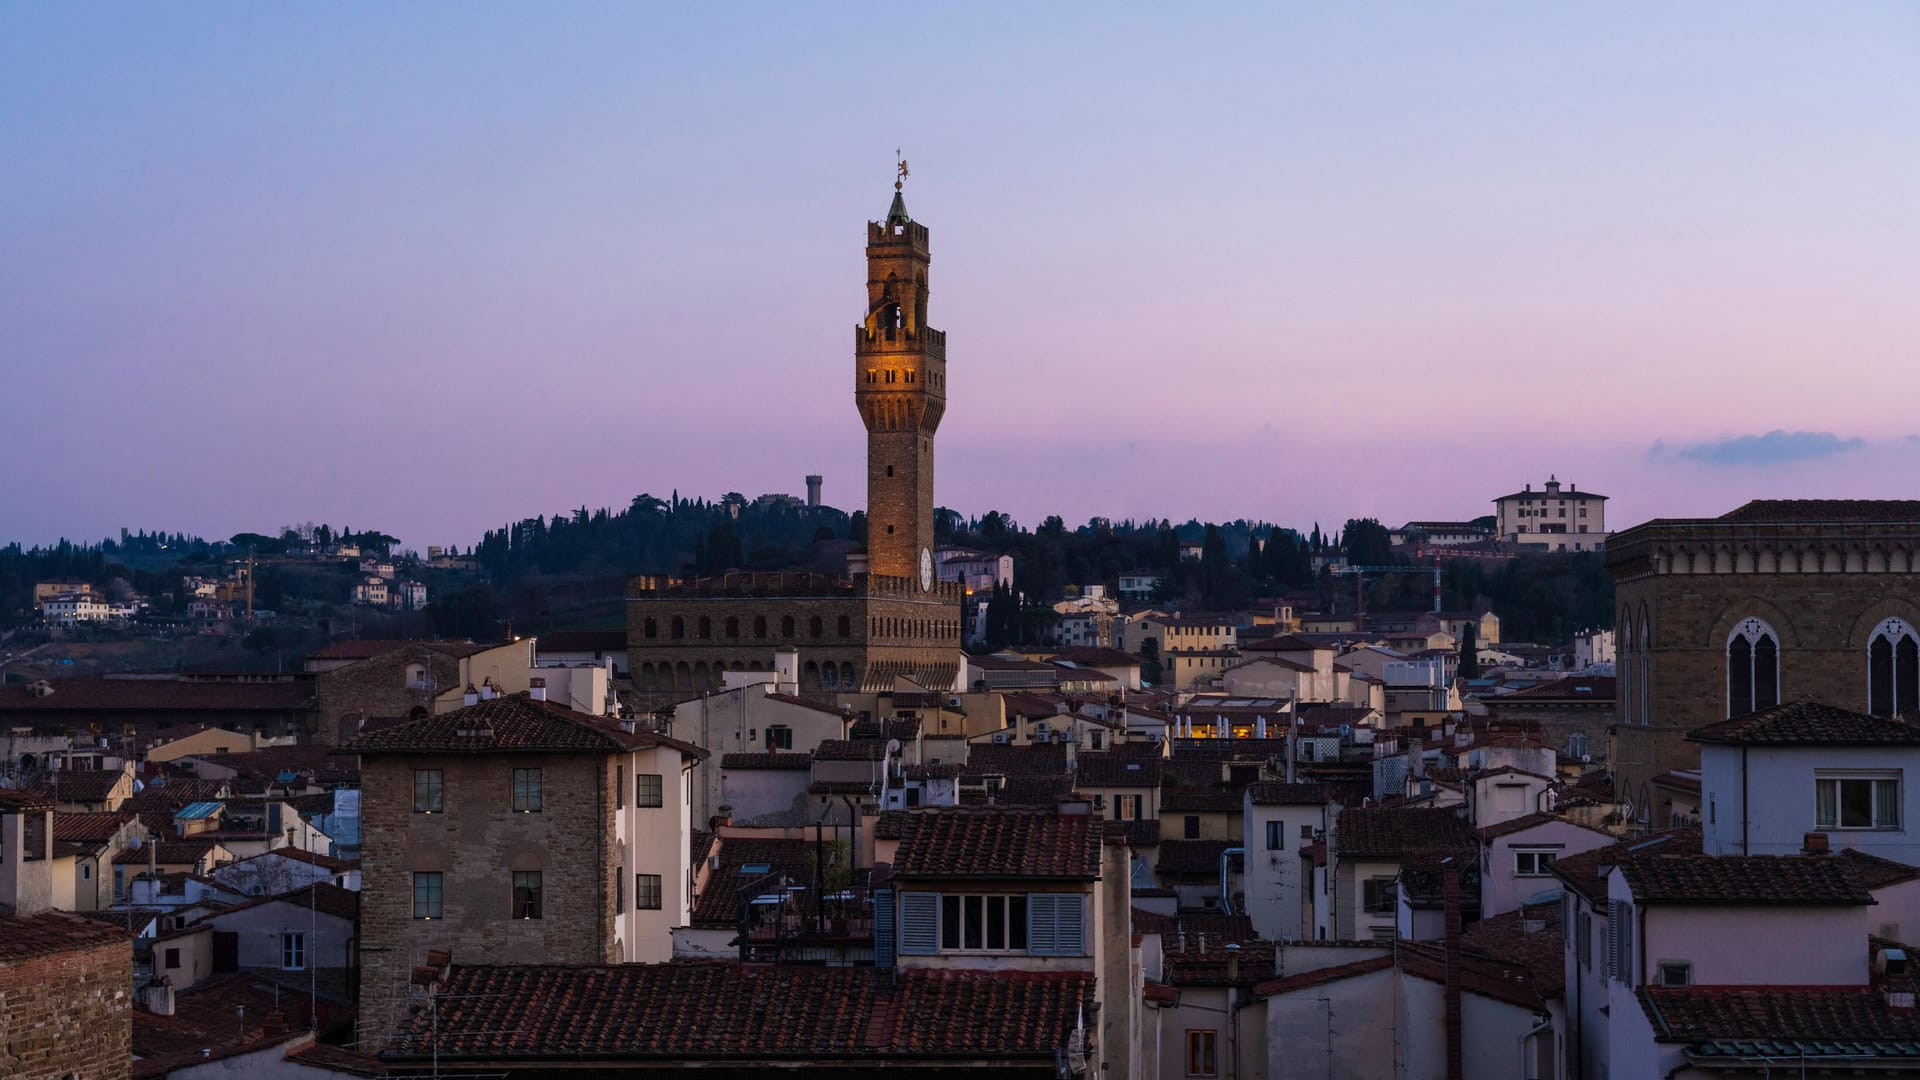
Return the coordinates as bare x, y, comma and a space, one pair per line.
900, 386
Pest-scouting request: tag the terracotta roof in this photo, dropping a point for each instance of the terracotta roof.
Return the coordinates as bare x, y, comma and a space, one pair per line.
1530, 821
153, 695
175, 793
1287, 643
24, 801
1769, 1013
1745, 880
1098, 657
338, 1059
936, 771
204, 1019
1597, 688
81, 785
322, 896
1386, 832
512, 724
1116, 768
270, 761
555, 641
1506, 939
1045, 791
371, 647
904, 728
1014, 759
1190, 801
1814, 511
166, 852
788, 761
1192, 858
993, 844
1275, 793
89, 828
1322, 976
694, 1010
1808, 723
850, 750
311, 858
1586, 873
700, 845
1875, 872
23, 937
719, 901
789, 699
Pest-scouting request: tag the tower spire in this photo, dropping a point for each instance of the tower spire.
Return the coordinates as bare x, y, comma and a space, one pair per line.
897, 213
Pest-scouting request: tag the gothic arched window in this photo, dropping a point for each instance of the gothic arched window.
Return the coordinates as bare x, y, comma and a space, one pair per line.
1753, 668
816, 628
652, 627
1644, 693
1627, 659
706, 628
1893, 669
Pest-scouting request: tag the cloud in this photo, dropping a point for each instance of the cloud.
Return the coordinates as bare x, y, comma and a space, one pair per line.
1774, 448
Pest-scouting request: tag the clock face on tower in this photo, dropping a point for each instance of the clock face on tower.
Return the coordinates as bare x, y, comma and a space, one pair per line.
926, 570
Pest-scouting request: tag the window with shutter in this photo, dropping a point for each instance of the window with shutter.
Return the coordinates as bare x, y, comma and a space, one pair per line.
919, 923
1055, 925
1624, 963
1069, 928
1613, 937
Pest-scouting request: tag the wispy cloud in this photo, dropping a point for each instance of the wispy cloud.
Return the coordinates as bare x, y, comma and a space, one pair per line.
1773, 448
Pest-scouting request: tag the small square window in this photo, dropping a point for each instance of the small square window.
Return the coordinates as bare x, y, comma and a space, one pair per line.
648, 790
1673, 973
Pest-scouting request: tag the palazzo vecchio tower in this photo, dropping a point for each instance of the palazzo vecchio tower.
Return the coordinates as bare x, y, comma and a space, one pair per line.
893, 619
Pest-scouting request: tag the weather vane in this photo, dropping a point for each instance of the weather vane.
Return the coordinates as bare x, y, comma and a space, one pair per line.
900, 166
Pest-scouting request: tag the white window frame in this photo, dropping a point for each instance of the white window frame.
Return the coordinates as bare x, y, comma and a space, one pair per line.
293, 952
1520, 855
1876, 778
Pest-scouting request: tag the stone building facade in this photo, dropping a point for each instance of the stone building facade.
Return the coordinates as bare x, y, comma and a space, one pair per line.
896, 619
1777, 600
516, 831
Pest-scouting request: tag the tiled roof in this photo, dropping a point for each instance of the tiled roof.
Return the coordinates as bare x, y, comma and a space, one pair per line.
1596, 688
512, 724
1013, 759
1792, 880
936, 771
166, 853
1772, 1013
152, 695
1525, 822
270, 761
701, 845
1275, 793
1189, 801
81, 785
1813, 511
24, 801
1377, 832
224, 1017
993, 844
1808, 723
1506, 939
719, 901
1192, 858
1586, 873
800, 762
88, 828
322, 896
850, 750
1286, 643
1875, 872
693, 1011
557, 641
311, 858
371, 647
1046, 791
904, 728
1116, 768
1098, 658
176, 792
23, 937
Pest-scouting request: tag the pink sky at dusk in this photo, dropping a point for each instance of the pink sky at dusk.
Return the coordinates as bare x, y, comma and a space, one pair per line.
430, 269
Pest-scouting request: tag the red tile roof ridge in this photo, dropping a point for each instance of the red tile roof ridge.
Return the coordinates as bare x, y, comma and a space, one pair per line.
1305, 980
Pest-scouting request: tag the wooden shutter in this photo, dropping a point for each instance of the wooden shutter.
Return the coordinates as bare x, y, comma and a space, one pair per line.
1613, 938
919, 923
1056, 924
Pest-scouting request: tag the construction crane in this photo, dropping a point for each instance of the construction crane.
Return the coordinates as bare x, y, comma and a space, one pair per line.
1359, 574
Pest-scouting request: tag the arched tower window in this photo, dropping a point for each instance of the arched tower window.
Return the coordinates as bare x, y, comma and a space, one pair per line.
733, 626
706, 628
1753, 668
652, 627
1893, 669
786, 626
1644, 696
815, 628
846, 627
679, 628
760, 626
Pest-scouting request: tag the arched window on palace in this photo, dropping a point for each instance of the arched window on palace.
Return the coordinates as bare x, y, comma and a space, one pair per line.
679, 628
816, 628
652, 627
706, 628
733, 626
846, 627
1627, 659
1893, 669
1644, 694
760, 626
786, 626
1753, 668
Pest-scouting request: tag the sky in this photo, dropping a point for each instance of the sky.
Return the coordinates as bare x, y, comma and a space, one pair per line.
430, 268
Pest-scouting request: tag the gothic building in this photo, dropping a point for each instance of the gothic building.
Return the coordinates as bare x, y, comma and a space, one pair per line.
895, 619
1777, 600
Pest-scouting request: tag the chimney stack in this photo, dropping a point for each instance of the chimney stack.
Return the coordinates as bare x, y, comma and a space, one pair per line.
537, 688
471, 697
157, 996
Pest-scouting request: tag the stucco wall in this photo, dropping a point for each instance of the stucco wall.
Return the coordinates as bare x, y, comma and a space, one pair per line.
1780, 792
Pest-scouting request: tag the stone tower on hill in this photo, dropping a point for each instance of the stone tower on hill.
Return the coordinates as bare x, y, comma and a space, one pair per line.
894, 619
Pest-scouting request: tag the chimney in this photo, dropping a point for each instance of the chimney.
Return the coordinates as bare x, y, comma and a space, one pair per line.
472, 696
724, 818
488, 691
157, 996
627, 724
1233, 963
537, 688
1814, 843
1450, 898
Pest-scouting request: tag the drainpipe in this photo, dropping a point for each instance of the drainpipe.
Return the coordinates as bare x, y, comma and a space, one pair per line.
1226, 896
1450, 894
1743, 802
1544, 1025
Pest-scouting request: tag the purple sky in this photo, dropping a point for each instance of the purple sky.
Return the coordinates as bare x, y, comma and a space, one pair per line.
429, 269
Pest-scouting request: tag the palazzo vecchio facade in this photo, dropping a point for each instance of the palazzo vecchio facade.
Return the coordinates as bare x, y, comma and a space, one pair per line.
895, 620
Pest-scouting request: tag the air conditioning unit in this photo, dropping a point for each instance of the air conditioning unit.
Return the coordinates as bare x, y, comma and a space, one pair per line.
1063, 737
1002, 737
1041, 731
953, 703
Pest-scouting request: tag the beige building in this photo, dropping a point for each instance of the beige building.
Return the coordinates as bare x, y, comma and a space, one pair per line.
1555, 518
